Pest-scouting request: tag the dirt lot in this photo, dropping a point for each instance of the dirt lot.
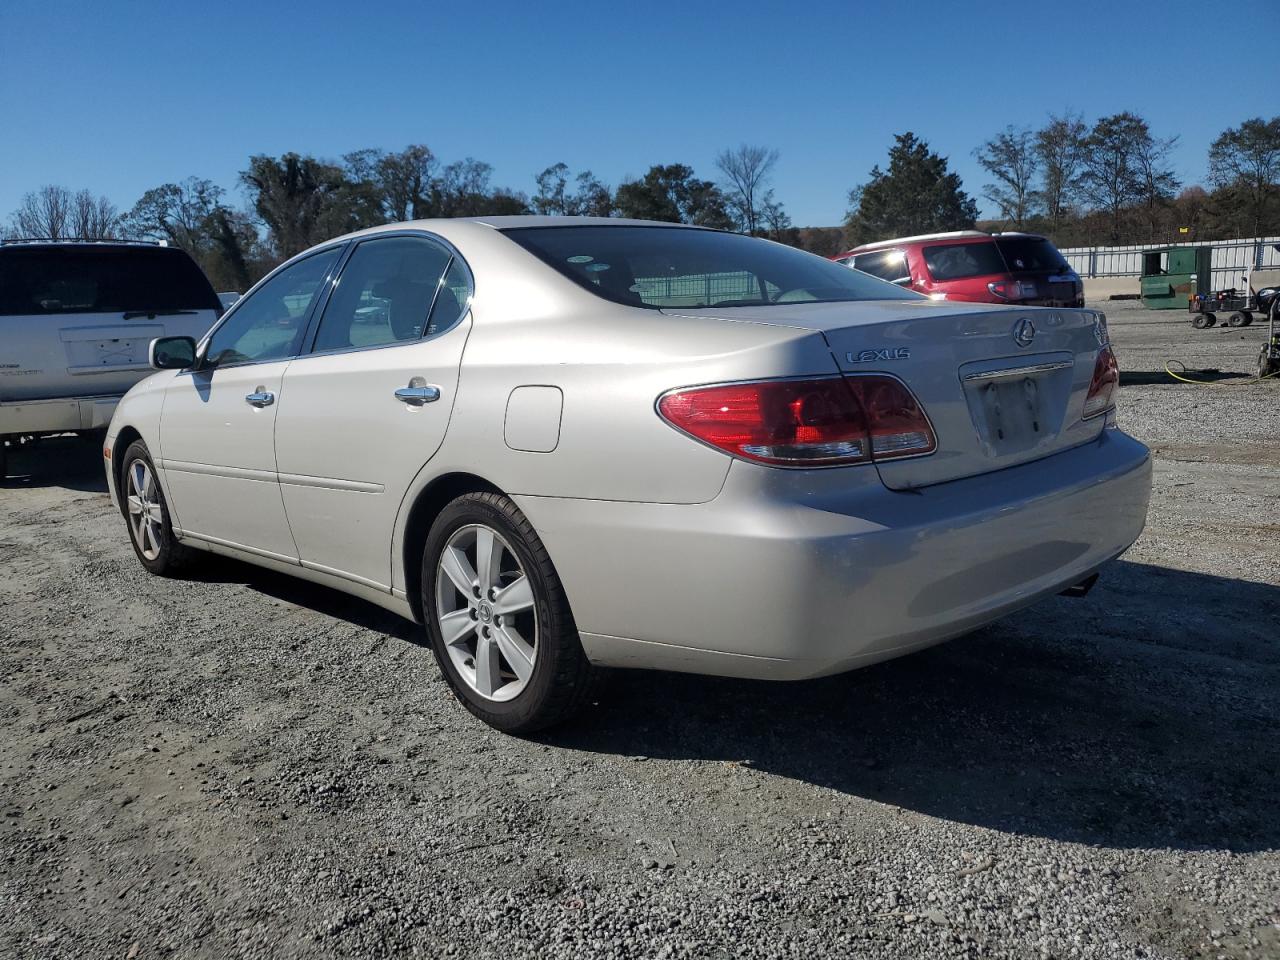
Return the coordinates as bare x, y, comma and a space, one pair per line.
243, 765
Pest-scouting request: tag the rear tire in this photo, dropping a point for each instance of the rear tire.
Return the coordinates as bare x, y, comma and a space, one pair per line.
531, 672
146, 514
1237, 320
1202, 320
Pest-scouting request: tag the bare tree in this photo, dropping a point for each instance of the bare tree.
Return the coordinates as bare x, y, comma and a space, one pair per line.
1059, 146
746, 171
1112, 181
93, 218
775, 219
178, 213
1157, 184
43, 213
1010, 157
1245, 163
590, 198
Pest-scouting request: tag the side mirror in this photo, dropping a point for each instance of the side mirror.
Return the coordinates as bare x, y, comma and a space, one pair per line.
172, 353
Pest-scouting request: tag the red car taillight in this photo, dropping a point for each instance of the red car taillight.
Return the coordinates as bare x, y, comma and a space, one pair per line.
1102, 388
818, 422
1013, 289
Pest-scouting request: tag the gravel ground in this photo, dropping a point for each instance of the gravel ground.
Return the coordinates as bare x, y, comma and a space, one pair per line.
241, 765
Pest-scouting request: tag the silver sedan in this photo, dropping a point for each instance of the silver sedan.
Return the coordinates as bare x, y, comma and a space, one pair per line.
568, 444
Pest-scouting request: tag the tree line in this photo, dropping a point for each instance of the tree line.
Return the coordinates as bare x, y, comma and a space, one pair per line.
1105, 183
1111, 182
296, 201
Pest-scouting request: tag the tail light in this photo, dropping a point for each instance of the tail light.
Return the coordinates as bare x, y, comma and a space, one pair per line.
1102, 388
1013, 289
819, 422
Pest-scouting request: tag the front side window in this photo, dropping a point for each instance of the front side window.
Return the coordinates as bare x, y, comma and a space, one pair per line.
959, 261
385, 294
888, 265
679, 267
268, 324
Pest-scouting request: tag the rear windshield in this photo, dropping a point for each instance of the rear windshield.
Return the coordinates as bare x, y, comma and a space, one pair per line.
956, 261
680, 267
101, 279
1031, 253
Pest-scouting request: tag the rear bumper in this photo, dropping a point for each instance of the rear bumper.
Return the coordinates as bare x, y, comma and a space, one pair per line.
787, 575
57, 416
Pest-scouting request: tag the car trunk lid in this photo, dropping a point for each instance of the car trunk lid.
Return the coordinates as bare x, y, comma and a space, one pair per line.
1001, 386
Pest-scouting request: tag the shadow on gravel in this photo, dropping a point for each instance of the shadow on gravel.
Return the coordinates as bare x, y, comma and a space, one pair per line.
332, 603
1161, 378
70, 462
1145, 715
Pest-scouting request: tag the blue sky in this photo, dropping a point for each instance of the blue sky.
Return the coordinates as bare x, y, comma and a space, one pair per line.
119, 97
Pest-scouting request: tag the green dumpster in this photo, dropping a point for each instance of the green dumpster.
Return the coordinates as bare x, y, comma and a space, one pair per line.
1170, 275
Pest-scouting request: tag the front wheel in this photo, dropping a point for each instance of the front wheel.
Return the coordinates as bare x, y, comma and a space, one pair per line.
498, 618
147, 514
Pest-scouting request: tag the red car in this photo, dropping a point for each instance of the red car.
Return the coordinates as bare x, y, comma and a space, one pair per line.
1022, 268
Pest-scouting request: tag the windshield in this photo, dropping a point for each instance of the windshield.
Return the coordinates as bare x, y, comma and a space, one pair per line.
101, 279
1031, 253
679, 267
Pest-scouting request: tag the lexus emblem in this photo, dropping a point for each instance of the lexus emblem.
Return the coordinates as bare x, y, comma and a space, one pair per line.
1024, 331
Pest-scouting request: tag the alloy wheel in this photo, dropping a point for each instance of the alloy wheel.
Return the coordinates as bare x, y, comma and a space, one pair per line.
485, 612
146, 519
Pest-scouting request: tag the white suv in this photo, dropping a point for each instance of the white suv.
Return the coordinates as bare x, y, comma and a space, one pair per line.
76, 321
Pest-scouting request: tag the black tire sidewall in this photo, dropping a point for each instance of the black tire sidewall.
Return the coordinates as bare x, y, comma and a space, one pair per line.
170, 551
555, 623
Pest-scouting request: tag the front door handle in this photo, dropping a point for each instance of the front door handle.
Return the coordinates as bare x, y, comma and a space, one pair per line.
260, 398
417, 396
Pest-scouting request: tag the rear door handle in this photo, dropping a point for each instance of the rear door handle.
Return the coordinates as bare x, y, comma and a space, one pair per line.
260, 398
417, 396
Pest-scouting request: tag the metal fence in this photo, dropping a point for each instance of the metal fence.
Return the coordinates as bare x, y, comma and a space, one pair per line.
1231, 258
701, 289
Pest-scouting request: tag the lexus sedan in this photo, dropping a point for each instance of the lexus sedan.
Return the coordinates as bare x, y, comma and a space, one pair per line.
569, 444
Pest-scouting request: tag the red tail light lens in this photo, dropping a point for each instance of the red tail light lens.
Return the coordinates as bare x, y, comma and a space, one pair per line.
1102, 388
1013, 289
819, 422
898, 425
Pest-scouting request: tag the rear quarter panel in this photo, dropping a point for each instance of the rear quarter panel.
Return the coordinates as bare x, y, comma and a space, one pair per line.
611, 363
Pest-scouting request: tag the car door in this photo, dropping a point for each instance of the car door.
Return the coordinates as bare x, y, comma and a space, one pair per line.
368, 405
217, 427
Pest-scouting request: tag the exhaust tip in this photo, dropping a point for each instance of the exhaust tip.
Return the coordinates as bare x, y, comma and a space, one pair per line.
1081, 588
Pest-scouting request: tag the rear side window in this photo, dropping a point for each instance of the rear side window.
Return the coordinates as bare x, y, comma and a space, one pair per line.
888, 265
956, 261
101, 279
384, 294
1031, 253
680, 267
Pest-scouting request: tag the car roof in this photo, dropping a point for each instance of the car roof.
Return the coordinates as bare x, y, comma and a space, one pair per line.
77, 243
953, 236
535, 220
445, 226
